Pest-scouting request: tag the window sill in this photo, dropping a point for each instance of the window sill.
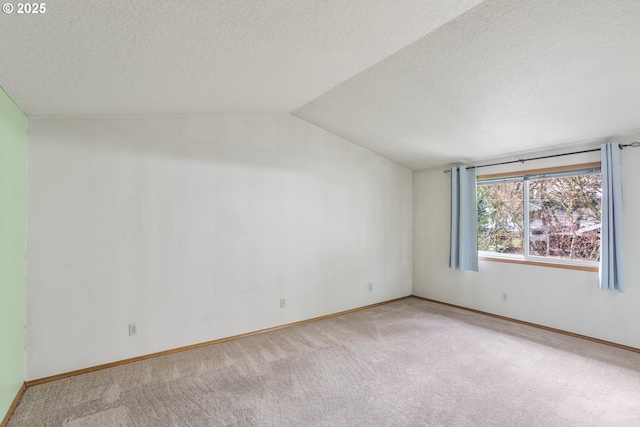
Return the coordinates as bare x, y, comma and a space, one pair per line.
539, 263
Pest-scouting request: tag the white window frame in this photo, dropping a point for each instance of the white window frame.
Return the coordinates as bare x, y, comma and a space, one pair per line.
526, 258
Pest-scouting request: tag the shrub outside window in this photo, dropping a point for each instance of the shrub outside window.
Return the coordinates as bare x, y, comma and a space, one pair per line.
549, 217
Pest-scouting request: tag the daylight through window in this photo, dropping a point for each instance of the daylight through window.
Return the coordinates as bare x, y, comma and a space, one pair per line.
553, 216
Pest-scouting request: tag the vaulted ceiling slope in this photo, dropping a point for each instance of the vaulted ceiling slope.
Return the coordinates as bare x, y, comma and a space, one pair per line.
423, 83
146, 57
506, 77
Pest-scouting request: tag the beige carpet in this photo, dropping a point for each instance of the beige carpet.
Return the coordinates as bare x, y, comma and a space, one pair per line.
408, 363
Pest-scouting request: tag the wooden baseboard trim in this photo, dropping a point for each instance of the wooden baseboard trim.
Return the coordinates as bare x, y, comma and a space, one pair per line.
13, 406
199, 345
535, 325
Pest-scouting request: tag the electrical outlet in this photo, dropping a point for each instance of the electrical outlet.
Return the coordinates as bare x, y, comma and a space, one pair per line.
283, 302
504, 296
133, 329
370, 286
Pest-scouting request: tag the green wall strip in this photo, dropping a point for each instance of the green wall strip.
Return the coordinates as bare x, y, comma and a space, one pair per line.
13, 164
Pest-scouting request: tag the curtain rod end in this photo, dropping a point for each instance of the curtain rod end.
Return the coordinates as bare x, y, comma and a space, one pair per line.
633, 144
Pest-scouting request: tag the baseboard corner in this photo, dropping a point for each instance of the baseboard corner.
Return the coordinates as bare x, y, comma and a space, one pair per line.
13, 405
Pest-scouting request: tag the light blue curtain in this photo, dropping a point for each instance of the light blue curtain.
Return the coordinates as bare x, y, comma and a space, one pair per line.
464, 220
611, 236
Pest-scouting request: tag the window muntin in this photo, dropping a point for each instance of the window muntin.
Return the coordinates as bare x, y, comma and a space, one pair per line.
551, 217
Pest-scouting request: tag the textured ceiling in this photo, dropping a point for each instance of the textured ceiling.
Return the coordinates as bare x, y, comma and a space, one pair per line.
141, 57
423, 83
506, 77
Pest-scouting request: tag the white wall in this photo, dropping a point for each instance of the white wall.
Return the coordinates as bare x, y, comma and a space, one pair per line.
195, 227
559, 298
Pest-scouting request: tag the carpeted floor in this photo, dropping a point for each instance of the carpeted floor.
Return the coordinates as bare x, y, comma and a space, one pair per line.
408, 363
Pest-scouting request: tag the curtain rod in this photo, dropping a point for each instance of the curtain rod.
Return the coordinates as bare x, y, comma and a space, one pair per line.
633, 144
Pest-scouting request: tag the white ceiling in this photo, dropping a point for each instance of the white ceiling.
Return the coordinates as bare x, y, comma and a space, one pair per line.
141, 57
423, 83
505, 77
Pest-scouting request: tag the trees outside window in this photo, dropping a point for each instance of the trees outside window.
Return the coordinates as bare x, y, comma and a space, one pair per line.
555, 216
501, 217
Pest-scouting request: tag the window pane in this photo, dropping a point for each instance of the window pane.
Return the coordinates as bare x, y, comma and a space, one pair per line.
500, 217
564, 217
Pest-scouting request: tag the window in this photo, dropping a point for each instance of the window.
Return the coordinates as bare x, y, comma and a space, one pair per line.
545, 216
